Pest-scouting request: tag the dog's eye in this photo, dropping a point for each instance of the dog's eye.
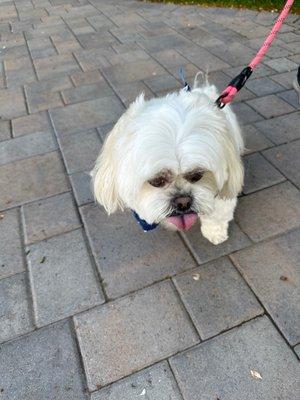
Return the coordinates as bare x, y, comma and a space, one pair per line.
194, 177
158, 182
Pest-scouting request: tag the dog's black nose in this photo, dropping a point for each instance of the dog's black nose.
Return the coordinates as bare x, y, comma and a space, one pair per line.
182, 203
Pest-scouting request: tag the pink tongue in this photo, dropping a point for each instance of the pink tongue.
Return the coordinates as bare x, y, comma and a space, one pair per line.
183, 222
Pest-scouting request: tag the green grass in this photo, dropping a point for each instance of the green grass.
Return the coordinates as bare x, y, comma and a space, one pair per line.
275, 5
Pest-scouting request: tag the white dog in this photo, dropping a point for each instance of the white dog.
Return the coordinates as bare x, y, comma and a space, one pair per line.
172, 160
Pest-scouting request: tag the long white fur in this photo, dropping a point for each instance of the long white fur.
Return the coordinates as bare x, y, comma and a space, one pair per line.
178, 133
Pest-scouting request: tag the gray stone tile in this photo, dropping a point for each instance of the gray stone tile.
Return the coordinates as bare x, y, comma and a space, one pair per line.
159, 327
92, 59
281, 64
86, 78
19, 71
216, 297
49, 217
50, 67
15, 316
190, 71
285, 79
156, 382
297, 350
259, 173
35, 177
263, 86
65, 44
80, 150
269, 212
167, 41
291, 97
128, 56
81, 184
92, 40
87, 92
41, 47
125, 255
26, 146
99, 21
86, 115
62, 278
289, 37
242, 95
104, 130
11, 256
270, 106
5, 131
278, 53
272, 271
295, 58
169, 58
286, 159
132, 72
161, 83
235, 54
281, 129
220, 368
12, 103
34, 123
245, 114
43, 365
203, 59
205, 251
45, 95
254, 139
13, 52
130, 91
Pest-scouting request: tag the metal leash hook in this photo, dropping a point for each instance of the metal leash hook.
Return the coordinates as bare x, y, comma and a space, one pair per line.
186, 86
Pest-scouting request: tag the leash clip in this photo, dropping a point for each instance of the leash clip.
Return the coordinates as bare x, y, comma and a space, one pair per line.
233, 87
181, 74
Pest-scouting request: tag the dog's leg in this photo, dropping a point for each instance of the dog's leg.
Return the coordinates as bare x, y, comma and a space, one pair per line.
215, 226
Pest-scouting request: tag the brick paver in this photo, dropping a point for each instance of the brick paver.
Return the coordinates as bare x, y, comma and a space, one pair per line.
49, 217
216, 297
256, 346
271, 269
286, 159
128, 260
259, 173
156, 382
11, 252
43, 364
62, 278
150, 325
90, 306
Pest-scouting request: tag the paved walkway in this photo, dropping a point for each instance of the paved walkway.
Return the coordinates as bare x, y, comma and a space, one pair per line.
92, 308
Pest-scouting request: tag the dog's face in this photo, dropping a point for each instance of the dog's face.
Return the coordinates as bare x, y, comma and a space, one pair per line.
168, 158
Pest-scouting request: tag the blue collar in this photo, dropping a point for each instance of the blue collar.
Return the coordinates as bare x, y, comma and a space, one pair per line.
146, 227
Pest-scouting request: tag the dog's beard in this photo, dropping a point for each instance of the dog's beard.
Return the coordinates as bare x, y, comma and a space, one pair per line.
156, 206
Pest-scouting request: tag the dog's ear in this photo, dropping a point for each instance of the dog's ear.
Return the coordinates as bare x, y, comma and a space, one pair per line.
235, 173
107, 168
104, 175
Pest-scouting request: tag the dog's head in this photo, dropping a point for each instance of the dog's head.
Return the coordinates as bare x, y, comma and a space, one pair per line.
168, 158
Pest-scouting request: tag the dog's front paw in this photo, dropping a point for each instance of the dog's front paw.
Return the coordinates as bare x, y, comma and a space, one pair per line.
216, 234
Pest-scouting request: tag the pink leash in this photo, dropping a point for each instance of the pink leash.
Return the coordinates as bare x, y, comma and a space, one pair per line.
238, 82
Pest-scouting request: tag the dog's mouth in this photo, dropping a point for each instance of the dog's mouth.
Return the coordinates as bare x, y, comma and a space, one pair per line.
183, 222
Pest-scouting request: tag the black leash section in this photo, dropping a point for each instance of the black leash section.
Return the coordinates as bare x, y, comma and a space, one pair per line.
234, 86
